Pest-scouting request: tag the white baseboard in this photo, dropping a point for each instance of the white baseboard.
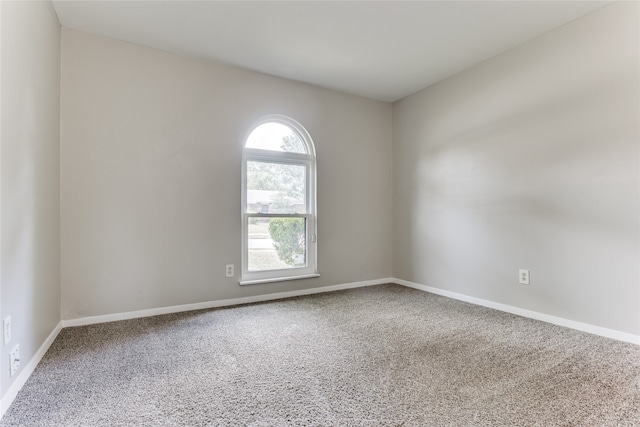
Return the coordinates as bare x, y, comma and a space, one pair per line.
584, 327
26, 372
219, 303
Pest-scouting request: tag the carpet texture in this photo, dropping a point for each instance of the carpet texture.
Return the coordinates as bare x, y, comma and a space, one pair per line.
378, 356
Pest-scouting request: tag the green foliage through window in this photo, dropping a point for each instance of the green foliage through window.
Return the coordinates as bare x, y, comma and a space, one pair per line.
288, 235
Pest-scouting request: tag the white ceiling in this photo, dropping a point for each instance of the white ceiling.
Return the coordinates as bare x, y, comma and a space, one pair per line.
379, 49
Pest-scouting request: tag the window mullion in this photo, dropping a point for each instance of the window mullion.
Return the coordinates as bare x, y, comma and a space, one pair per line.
277, 215
274, 156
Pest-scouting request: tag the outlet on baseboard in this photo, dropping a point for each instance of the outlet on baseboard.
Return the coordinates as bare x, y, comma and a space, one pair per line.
14, 358
524, 277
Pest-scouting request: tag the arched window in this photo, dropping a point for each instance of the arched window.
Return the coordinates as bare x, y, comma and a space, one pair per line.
278, 202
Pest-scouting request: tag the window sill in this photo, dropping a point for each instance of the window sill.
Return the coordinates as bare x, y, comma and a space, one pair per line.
278, 279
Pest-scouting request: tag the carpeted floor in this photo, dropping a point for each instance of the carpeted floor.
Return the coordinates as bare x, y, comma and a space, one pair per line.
378, 356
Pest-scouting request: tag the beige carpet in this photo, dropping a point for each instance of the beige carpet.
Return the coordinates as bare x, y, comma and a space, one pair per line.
378, 356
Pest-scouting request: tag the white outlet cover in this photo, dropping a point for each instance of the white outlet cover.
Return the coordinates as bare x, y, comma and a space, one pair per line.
523, 276
14, 359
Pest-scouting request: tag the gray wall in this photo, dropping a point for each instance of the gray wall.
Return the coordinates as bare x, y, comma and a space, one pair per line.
29, 170
151, 147
529, 160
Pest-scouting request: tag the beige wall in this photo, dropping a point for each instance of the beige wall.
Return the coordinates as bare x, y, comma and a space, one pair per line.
151, 147
529, 160
29, 141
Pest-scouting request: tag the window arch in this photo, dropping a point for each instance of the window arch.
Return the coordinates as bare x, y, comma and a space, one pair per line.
278, 202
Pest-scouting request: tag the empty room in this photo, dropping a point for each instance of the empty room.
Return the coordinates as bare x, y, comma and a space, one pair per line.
319, 213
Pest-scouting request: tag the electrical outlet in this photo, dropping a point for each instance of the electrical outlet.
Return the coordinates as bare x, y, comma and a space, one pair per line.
14, 358
6, 328
230, 270
524, 277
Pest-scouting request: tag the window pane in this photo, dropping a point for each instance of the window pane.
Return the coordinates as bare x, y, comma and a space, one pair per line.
276, 188
277, 243
276, 137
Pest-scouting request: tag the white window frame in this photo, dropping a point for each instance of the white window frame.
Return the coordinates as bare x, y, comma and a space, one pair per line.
307, 160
